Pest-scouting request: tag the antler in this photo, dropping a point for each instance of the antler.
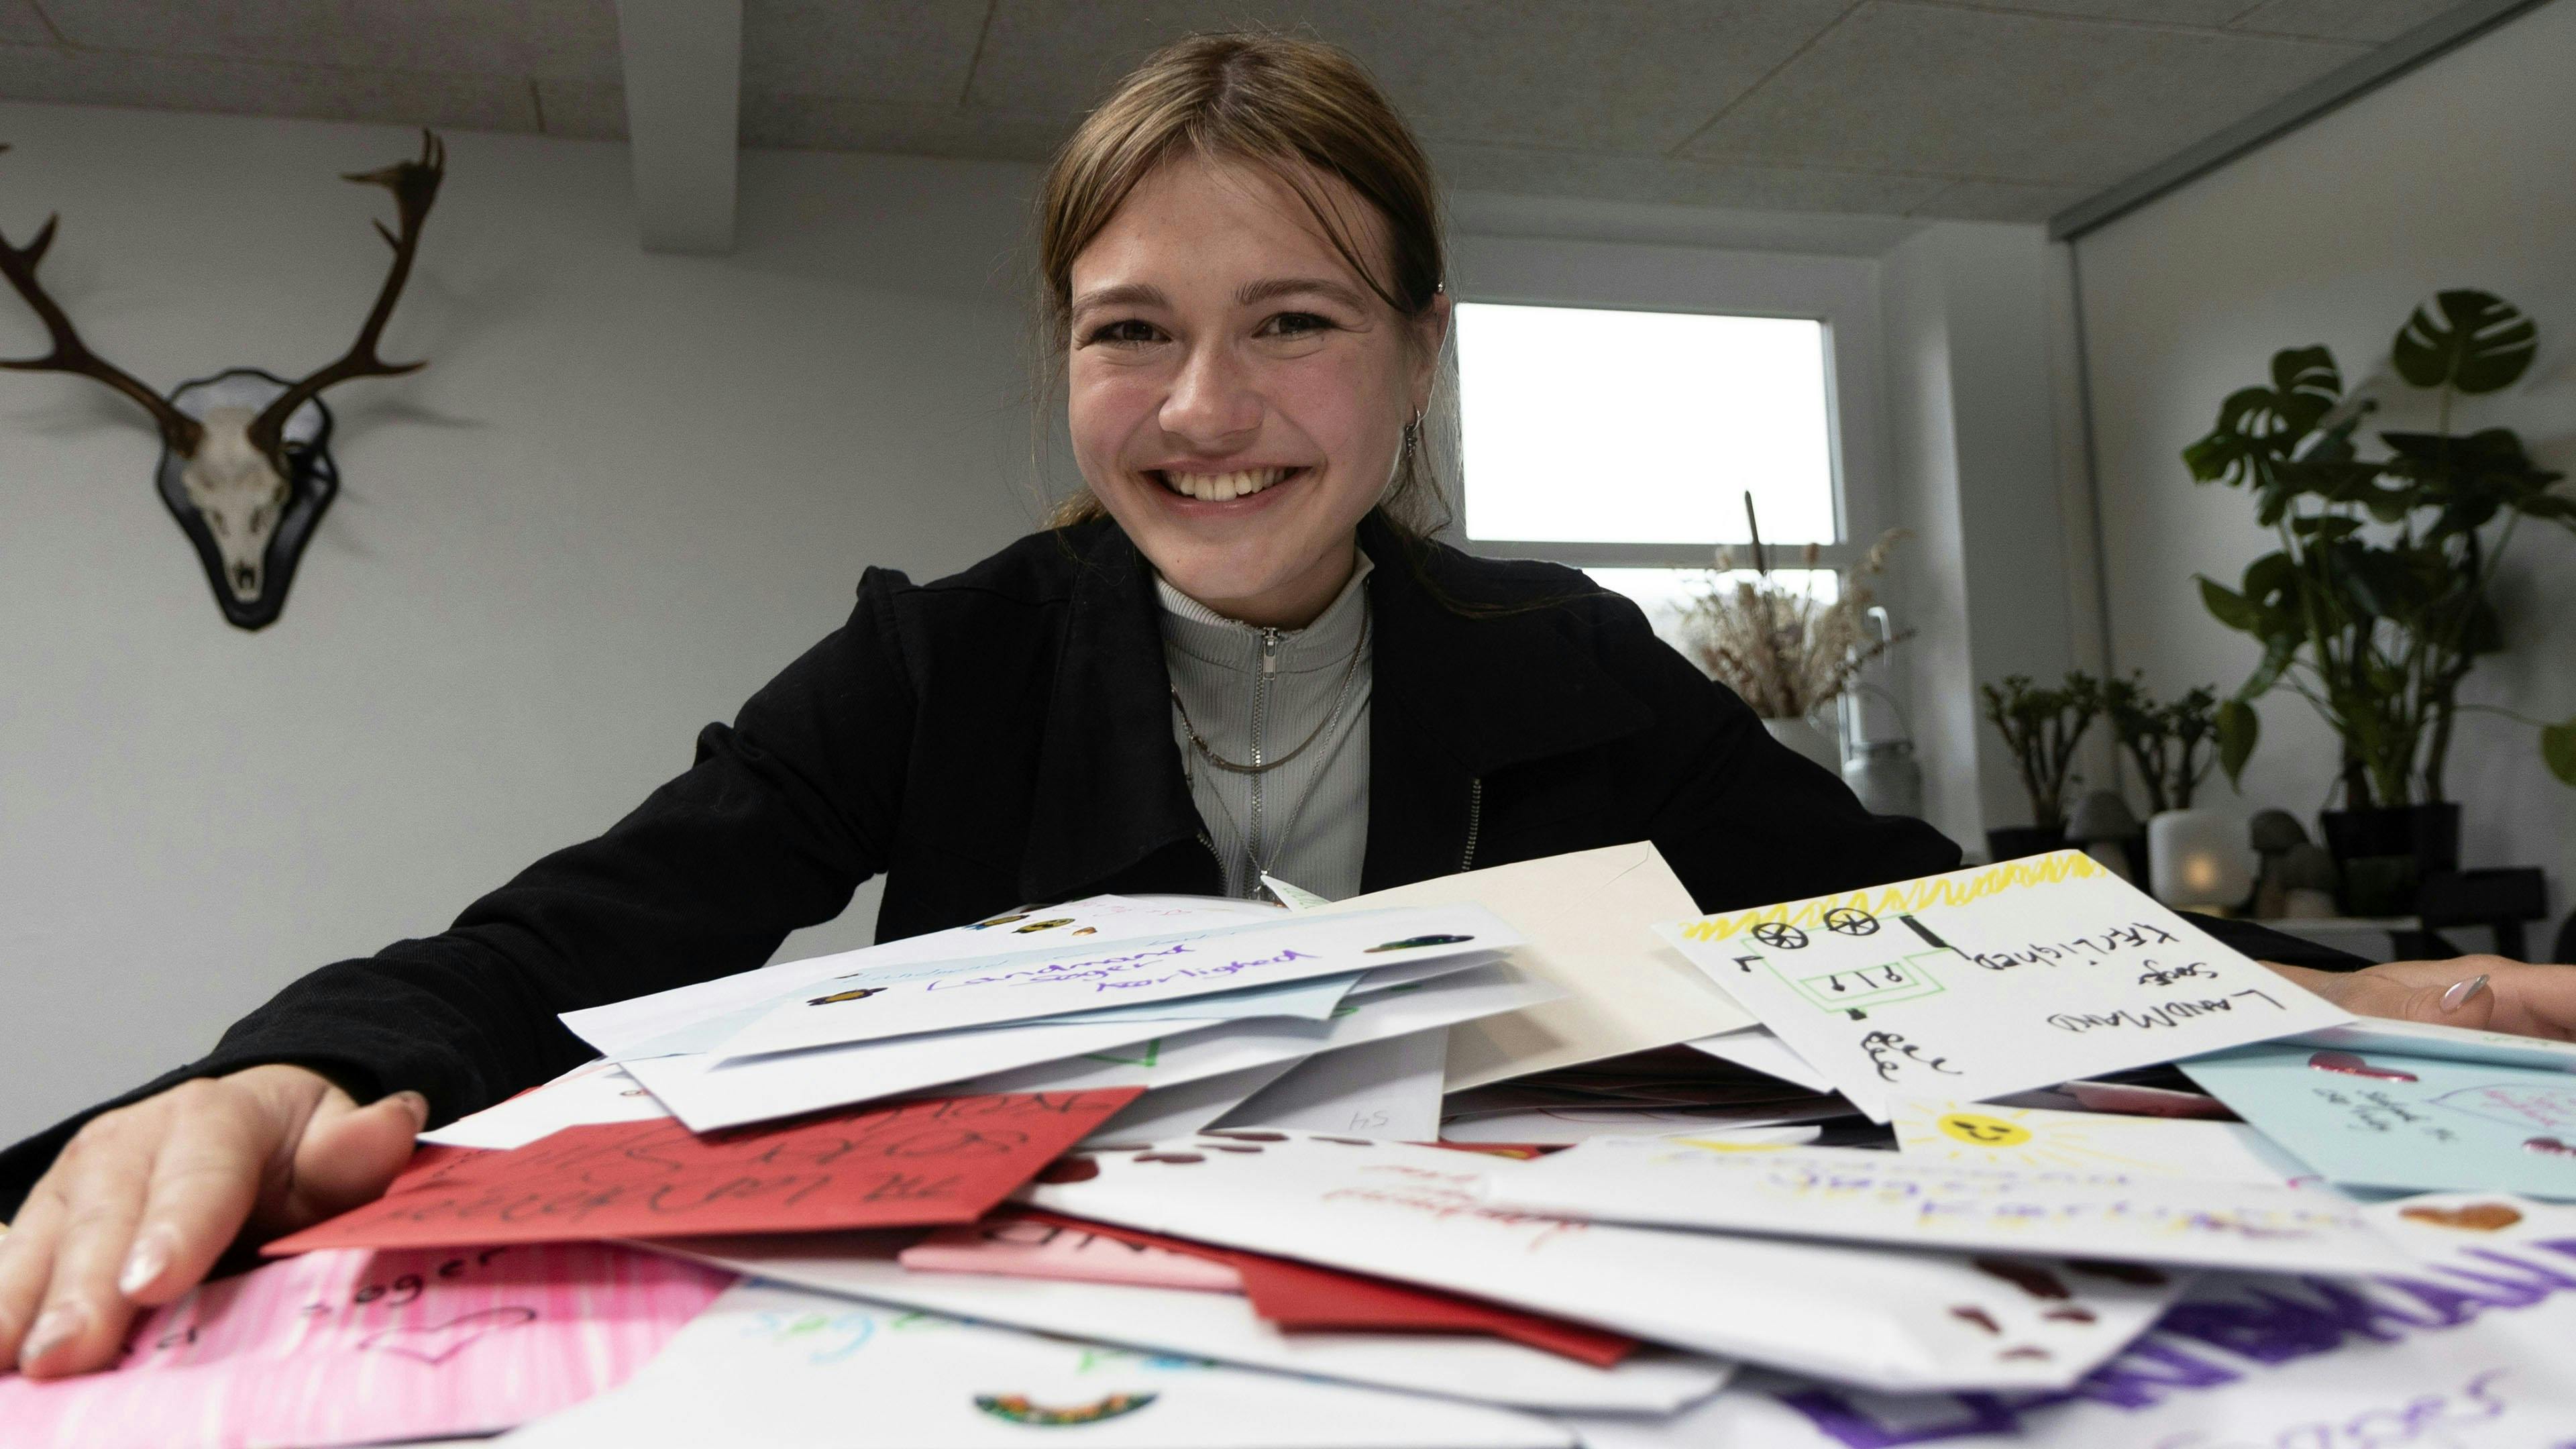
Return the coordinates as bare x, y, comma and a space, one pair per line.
414, 185
72, 355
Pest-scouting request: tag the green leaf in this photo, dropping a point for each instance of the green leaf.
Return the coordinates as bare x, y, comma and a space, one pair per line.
2239, 729
2229, 607
2479, 343
2558, 749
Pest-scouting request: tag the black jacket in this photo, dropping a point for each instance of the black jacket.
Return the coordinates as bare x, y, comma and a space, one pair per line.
1003, 737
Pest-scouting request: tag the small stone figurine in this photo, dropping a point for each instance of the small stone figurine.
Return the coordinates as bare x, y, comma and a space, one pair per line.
2297, 878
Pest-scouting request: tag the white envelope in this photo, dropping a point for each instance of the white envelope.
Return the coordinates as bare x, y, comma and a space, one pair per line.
1233, 1046
1902, 1200
699, 1016
707, 1092
592, 1092
1993, 980
1387, 1088
1185, 1107
1221, 1326
1888, 1319
1159, 968
784, 1368
1588, 917
2467, 1349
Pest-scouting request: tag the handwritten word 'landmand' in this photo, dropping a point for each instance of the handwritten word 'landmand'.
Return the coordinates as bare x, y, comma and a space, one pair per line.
2170, 1013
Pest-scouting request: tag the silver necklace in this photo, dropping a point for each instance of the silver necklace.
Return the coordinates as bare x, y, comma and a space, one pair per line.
1297, 810
1260, 766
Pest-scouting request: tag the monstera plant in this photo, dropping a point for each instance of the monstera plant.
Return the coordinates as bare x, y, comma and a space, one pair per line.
2375, 605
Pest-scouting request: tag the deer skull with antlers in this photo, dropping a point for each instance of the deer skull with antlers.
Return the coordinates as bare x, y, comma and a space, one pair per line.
244, 466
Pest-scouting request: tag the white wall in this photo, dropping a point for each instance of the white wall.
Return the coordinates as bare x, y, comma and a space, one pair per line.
1977, 474
2461, 174
626, 491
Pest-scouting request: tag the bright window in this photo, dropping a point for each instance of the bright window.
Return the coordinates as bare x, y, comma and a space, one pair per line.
1590, 426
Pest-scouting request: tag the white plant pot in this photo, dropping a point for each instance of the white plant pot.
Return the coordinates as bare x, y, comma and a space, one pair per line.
2199, 858
1804, 737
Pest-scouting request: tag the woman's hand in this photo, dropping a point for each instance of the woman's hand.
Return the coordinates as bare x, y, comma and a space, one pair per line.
2486, 992
145, 1199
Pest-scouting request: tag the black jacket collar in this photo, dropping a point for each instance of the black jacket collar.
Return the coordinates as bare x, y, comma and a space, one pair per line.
1472, 674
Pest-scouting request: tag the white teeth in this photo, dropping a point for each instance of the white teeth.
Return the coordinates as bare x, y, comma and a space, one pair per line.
1216, 487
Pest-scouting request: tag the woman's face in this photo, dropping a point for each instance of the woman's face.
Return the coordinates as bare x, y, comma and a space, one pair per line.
1238, 394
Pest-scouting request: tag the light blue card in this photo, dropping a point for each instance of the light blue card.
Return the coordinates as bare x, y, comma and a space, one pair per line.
2381, 1120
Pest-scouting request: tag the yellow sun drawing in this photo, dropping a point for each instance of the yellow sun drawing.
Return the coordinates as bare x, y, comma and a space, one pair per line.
1987, 1134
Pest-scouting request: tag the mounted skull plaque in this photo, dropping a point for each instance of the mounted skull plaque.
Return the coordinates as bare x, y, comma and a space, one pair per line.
245, 460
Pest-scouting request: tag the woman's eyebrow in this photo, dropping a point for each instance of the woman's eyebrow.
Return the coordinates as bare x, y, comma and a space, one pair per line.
1254, 293
1124, 294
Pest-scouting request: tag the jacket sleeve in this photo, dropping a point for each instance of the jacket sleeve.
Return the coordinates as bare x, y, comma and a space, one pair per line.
774, 825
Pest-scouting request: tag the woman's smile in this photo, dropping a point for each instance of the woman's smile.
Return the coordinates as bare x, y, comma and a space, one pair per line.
1199, 483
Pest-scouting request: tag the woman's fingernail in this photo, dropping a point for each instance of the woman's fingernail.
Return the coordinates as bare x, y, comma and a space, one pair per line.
55, 1326
416, 1104
2463, 992
144, 1262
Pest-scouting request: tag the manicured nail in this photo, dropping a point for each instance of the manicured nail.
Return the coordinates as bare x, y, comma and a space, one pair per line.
2463, 992
55, 1326
417, 1105
144, 1262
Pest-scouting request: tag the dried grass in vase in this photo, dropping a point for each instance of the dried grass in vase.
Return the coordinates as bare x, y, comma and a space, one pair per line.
1784, 652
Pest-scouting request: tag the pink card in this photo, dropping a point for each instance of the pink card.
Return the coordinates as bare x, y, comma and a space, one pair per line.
352, 1347
1018, 1247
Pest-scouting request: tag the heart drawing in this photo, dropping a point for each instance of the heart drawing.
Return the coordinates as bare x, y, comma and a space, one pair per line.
436, 1343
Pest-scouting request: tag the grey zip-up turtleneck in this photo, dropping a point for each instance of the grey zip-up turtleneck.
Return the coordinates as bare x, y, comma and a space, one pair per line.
1255, 694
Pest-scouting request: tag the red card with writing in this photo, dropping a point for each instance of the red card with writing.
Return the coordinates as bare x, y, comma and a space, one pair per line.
947, 1160
1298, 1295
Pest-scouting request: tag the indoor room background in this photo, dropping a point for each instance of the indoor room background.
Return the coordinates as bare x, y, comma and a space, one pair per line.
668, 419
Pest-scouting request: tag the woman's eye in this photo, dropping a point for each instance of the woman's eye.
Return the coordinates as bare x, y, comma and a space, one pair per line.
1125, 333
1296, 324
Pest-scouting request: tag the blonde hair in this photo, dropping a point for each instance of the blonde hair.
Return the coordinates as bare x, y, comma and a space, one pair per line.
1298, 109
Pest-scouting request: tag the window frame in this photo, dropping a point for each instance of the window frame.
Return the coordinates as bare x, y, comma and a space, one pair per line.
1839, 292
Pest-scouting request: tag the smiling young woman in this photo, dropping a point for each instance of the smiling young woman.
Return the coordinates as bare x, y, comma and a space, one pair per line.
1236, 653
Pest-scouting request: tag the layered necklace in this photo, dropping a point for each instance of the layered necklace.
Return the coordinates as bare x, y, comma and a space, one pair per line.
1262, 764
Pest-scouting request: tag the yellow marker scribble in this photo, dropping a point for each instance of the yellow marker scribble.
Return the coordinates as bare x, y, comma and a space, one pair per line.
1956, 889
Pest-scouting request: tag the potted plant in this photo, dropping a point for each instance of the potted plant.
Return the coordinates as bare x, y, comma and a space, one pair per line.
2042, 727
2172, 745
2374, 605
1783, 652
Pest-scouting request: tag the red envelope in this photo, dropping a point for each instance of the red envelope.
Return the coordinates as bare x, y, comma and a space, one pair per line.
1298, 1295
945, 1160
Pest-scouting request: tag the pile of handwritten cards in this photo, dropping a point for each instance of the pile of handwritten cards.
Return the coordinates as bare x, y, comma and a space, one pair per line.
1530, 1158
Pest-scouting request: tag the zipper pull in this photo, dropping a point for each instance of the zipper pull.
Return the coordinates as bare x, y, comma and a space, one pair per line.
1269, 651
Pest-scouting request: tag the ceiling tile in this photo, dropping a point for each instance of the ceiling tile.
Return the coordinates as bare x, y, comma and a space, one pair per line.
830, 123
1956, 92
563, 39
1977, 200
1638, 76
2209, 13
1534, 172
21, 25
470, 103
915, 52
2371, 20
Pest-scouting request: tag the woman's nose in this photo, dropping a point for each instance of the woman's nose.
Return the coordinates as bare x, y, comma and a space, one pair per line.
1212, 404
